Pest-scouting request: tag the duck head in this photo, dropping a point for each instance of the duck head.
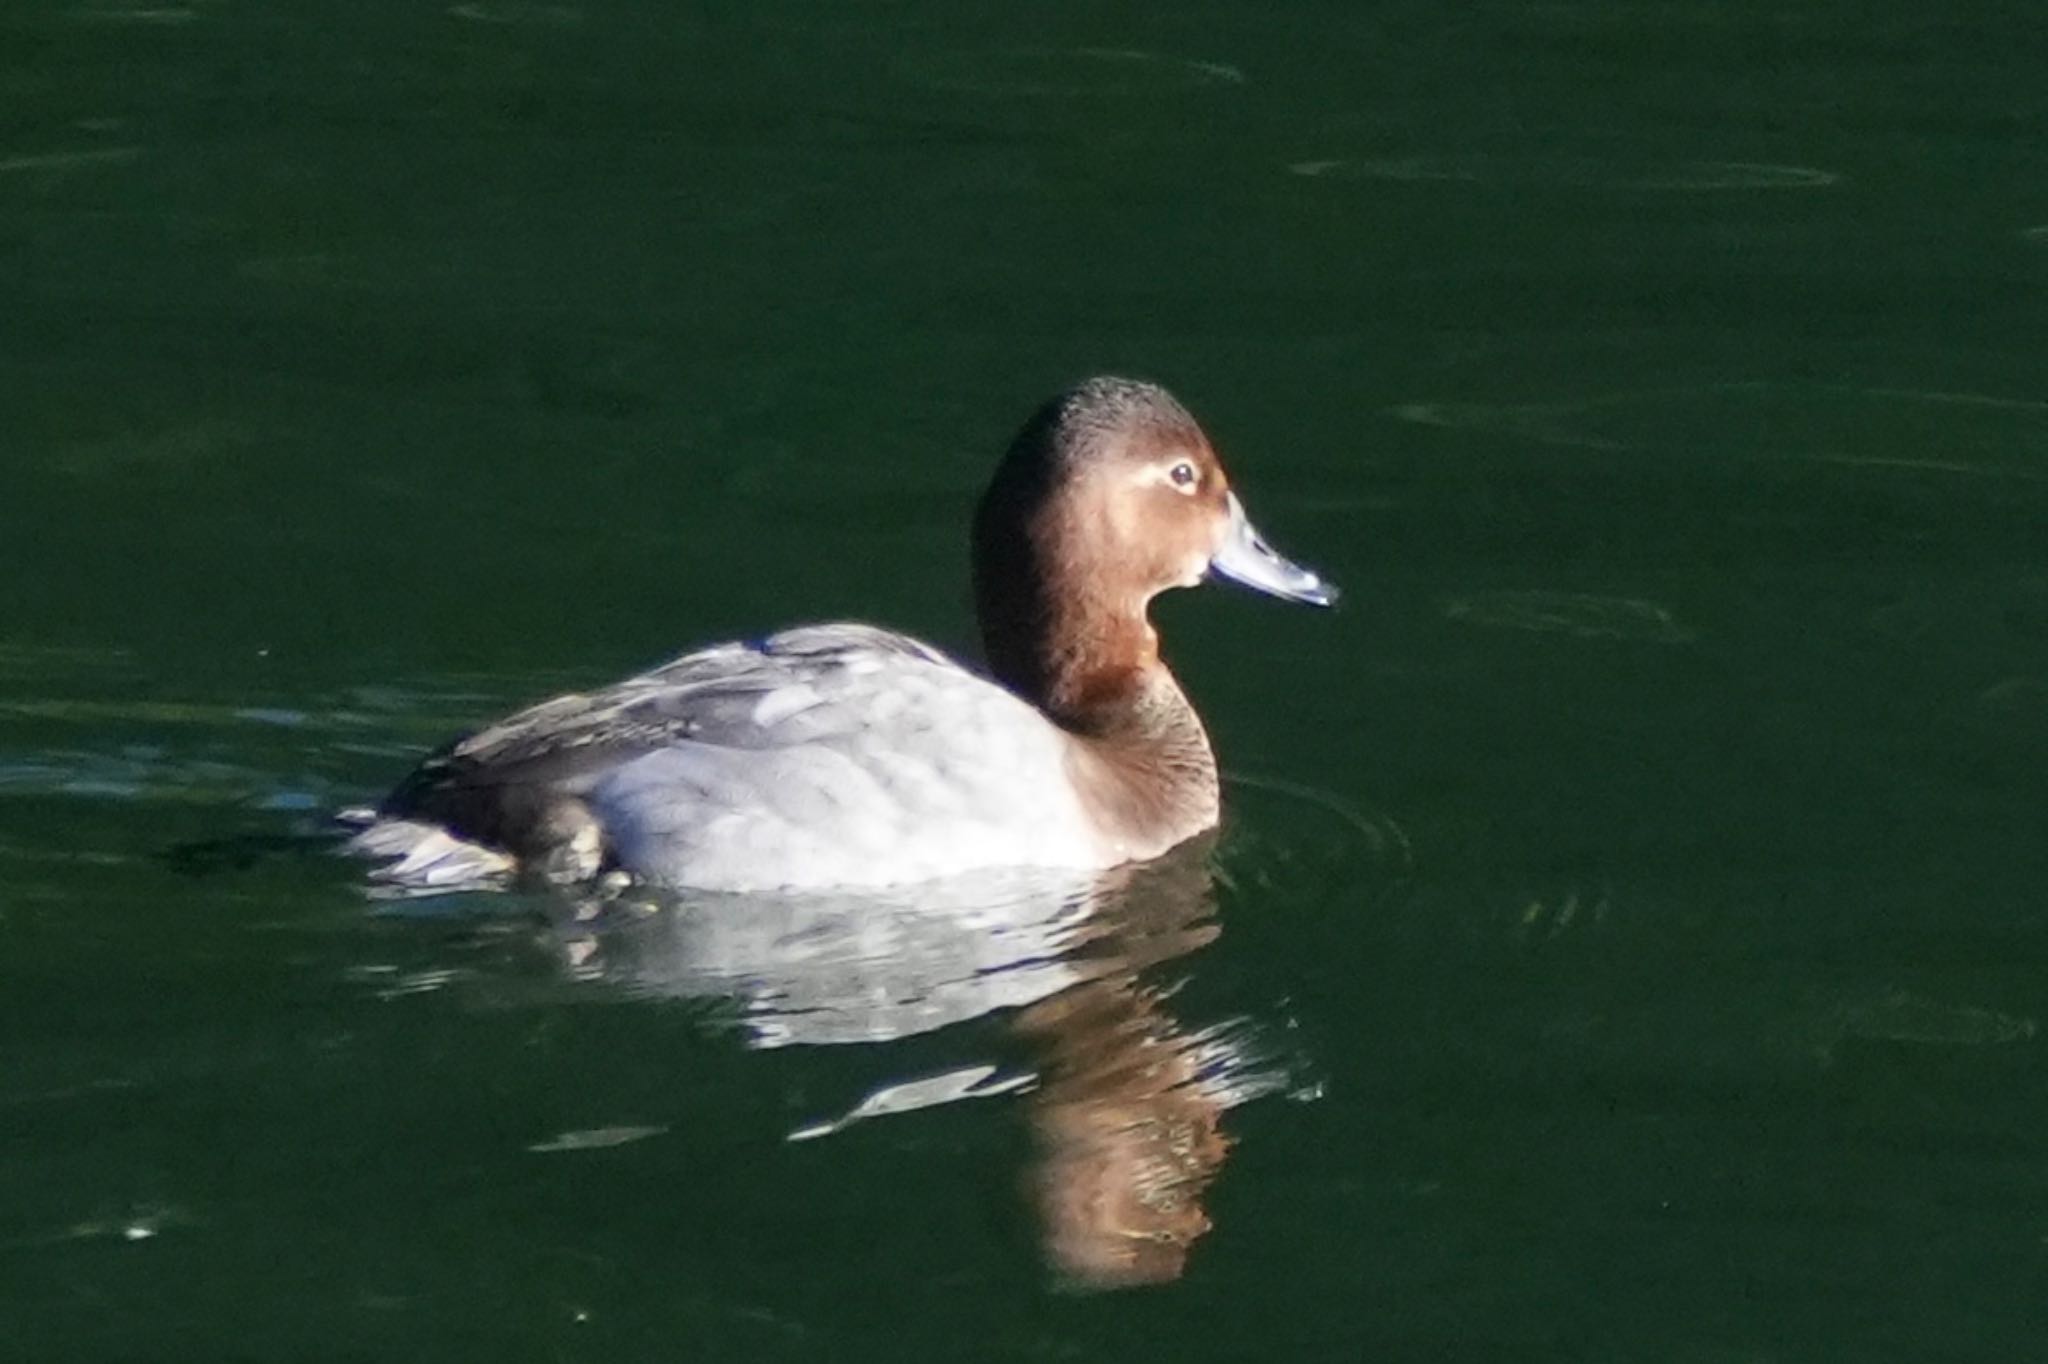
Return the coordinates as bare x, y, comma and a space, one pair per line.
1109, 495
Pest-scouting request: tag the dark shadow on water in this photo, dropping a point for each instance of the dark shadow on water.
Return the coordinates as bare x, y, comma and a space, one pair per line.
243, 852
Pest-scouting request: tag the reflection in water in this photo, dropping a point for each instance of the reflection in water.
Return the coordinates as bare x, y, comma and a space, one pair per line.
926, 1091
1124, 1101
1128, 1134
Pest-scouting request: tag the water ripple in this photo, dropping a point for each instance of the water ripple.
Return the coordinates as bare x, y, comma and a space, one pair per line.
118, 12
1583, 614
1045, 71
1877, 426
34, 161
518, 12
1572, 172
595, 1138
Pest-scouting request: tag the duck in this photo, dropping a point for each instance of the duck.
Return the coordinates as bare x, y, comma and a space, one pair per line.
846, 756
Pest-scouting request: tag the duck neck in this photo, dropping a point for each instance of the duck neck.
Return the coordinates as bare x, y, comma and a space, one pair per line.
1093, 668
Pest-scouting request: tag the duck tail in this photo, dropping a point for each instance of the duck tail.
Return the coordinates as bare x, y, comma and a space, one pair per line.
417, 858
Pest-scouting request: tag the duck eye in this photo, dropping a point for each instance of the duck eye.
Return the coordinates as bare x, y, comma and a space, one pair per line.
1183, 475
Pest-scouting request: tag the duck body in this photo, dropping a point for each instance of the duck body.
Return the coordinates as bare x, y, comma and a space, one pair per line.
828, 755
845, 755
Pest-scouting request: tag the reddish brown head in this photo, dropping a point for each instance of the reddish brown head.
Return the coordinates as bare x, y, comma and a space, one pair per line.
1109, 495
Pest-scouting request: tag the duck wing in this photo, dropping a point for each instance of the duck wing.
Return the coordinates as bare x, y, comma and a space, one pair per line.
809, 684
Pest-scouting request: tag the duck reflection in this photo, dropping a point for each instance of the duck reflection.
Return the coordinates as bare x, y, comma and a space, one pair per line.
1128, 1135
1124, 1100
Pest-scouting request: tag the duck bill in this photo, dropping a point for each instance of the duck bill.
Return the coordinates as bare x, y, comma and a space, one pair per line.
1246, 558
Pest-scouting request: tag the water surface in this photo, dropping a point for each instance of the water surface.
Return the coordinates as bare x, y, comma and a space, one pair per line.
1626, 939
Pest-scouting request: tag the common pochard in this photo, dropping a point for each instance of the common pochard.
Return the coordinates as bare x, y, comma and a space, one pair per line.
845, 755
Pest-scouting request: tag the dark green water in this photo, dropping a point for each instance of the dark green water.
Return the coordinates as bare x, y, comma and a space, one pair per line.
1628, 938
